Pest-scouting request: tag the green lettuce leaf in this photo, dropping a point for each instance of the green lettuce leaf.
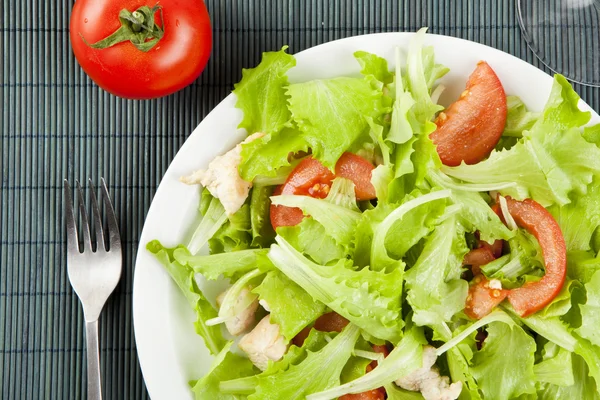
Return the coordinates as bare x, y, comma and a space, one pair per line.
458, 364
503, 367
579, 219
226, 264
404, 359
315, 341
369, 299
583, 387
318, 371
363, 239
524, 262
226, 365
213, 218
342, 194
556, 366
476, 215
422, 72
261, 94
183, 276
374, 65
590, 311
582, 265
290, 306
234, 235
339, 222
553, 329
435, 290
395, 393
310, 238
412, 227
332, 114
268, 155
381, 177
401, 130
380, 259
518, 118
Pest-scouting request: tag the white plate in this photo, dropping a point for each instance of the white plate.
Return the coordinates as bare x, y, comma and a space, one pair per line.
170, 352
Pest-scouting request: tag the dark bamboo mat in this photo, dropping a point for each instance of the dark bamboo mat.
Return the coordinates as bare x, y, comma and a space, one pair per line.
57, 124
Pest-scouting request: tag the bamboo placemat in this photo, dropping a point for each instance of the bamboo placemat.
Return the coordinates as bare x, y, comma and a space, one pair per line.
57, 124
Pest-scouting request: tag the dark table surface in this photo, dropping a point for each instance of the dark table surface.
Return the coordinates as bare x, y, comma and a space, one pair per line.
58, 124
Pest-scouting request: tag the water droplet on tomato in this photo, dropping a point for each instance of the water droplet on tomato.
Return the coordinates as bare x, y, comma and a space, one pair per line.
85, 20
176, 22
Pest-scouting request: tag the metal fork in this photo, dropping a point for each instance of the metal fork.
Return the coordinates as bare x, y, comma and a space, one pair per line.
94, 271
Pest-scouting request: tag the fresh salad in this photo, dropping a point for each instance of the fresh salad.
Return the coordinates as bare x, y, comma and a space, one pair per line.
379, 245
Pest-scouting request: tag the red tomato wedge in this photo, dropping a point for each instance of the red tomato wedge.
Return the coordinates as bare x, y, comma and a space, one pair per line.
469, 129
311, 178
375, 394
496, 247
482, 299
358, 170
533, 296
478, 257
329, 322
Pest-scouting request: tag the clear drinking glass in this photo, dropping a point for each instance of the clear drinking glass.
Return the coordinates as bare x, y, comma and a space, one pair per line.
565, 36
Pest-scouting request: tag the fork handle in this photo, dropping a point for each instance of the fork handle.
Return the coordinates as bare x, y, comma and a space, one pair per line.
94, 385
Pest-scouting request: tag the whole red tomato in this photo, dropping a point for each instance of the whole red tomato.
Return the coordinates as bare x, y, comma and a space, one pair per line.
141, 49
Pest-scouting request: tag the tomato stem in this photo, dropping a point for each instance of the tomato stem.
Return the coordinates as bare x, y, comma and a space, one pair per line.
137, 27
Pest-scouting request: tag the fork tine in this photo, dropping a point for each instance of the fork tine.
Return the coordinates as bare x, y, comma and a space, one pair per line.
97, 219
72, 240
113, 228
87, 241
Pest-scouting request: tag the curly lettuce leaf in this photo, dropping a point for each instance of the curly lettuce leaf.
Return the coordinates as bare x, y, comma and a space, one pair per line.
434, 288
227, 265
579, 219
458, 364
556, 366
518, 118
310, 238
315, 341
401, 129
503, 367
320, 370
404, 359
367, 298
290, 306
339, 221
582, 265
375, 66
226, 365
476, 215
590, 311
332, 114
261, 94
422, 72
583, 387
380, 258
235, 234
183, 276
268, 155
